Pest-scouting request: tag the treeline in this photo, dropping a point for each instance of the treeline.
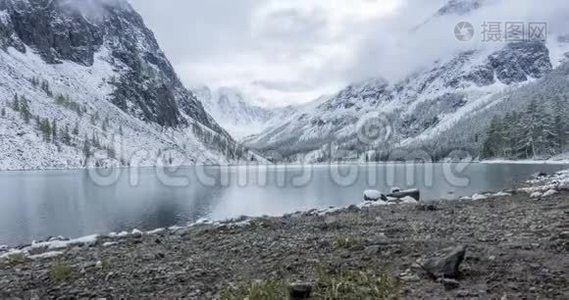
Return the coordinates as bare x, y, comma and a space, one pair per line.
222, 144
51, 132
541, 131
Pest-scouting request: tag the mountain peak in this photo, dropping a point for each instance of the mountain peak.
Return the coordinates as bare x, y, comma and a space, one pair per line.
460, 7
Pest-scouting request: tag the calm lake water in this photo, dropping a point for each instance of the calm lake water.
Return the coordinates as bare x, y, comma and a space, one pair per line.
36, 205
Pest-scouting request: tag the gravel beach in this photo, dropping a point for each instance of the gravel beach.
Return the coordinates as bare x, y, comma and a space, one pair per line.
516, 247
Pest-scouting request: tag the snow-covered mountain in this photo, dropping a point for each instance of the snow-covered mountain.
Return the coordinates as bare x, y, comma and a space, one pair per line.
419, 111
84, 83
237, 113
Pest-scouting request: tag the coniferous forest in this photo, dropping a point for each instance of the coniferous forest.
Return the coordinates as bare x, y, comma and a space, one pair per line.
539, 131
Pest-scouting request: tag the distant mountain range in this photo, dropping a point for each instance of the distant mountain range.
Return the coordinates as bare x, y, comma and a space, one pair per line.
445, 107
237, 113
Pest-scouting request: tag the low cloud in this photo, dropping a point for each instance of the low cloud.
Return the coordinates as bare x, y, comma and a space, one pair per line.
284, 52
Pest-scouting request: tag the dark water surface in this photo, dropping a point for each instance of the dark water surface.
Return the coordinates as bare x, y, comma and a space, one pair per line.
38, 204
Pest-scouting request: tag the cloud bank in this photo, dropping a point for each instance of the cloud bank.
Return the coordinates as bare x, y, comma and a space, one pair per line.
289, 52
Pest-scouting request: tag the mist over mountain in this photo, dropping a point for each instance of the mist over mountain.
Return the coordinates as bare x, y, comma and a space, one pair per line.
421, 110
237, 113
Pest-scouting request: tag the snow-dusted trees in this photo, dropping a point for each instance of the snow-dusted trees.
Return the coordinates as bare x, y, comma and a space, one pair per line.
44, 127
21, 105
535, 132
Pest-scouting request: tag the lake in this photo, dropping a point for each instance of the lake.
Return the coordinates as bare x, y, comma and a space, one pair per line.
74, 203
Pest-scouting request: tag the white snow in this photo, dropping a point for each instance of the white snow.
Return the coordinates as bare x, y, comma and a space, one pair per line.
156, 231
90, 88
372, 195
408, 199
536, 195
550, 193
501, 194
50, 254
477, 197
60, 244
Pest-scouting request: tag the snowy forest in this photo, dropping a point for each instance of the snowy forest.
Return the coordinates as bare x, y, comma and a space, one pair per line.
541, 131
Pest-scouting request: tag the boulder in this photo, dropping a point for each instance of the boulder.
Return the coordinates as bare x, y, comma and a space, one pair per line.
449, 284
408, 199
536, 195
477, 197
300, 290
550, 193
446, 266
374, 195
539, 175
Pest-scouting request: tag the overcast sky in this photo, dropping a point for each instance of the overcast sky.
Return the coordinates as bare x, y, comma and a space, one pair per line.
293, 51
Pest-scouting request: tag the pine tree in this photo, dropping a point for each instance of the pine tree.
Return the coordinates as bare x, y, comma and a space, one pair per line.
560, 123
3, 112
65, 137
493, 144
526, 146
86, 148
24, 109
45, 129
16, 103
76, 129
54, 130
111, 153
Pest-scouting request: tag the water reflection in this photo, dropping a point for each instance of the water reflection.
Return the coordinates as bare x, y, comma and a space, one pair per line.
36, 205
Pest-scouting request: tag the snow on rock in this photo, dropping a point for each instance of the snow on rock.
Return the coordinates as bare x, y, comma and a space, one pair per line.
536, 195
373, 195
11, 252
477, 197
501, 194
371, 204
550, 193
408, 199
46, 255
156, 231
395, 190
60, 243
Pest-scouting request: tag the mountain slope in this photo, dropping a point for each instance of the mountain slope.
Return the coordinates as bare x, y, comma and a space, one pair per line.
237, 114
417, 108
84, 83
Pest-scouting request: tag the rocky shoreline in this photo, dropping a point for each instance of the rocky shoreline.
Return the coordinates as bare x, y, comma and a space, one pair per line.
515, 247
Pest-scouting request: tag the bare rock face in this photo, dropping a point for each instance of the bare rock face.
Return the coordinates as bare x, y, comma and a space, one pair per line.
67, 30
446, 266
519, 62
